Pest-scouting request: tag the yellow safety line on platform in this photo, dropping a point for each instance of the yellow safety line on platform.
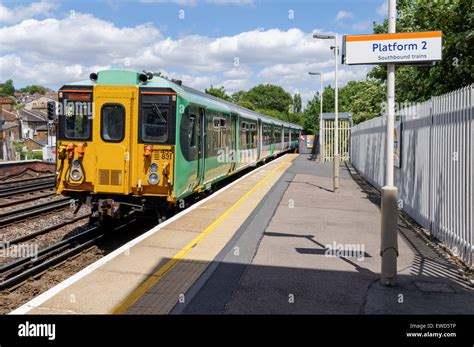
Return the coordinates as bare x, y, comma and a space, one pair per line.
150, 281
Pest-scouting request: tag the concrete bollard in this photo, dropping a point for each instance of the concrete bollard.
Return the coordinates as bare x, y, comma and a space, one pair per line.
389, 245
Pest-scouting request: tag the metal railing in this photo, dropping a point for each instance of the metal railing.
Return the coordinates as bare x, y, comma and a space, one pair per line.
435, 177
328, 140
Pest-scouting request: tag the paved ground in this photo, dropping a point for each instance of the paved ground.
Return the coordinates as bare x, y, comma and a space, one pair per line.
278, 261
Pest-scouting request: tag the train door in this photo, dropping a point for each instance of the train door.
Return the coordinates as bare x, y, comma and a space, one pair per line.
259, 138
282, 137
112, 137
201, 131
233, 141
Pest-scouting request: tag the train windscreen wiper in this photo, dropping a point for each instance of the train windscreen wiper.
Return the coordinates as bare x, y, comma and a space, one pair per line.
158, 113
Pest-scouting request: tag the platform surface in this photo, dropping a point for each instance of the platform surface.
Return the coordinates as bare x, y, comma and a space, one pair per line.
263, 246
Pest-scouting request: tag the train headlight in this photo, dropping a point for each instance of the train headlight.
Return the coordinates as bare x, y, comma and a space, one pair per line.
76, 163
75, 174
153, 178
154, 167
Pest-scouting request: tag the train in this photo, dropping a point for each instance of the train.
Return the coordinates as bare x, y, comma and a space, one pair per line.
130, 142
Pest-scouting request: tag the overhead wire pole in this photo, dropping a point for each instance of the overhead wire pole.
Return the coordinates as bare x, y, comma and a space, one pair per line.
389, 242
320, 74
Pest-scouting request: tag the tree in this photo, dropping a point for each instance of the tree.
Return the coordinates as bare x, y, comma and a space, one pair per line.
297, 103
328, 99
8, 89
310, 118
33, 89
239, 96
218, 93
364, 99
246, 104
455, 18
269, 97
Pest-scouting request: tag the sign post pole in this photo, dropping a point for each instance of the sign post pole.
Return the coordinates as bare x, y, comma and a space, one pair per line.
389, 244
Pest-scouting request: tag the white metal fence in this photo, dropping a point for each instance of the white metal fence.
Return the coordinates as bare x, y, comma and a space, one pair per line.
328, 139
436, 174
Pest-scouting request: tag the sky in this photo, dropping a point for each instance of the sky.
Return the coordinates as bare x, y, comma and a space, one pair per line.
232, 43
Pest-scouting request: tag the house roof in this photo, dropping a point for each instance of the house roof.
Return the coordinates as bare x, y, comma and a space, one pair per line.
8, 115
32, 116
9, 125
39, 142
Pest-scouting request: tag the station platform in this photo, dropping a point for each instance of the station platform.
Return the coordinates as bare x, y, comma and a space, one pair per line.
267, 244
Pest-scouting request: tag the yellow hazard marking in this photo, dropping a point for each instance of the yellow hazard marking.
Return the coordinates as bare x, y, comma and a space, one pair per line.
151, 280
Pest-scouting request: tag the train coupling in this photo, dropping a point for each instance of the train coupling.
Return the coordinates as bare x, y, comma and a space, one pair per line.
115, 209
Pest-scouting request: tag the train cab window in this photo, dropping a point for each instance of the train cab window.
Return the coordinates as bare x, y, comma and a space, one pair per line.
112, 122
154, 118
75, 121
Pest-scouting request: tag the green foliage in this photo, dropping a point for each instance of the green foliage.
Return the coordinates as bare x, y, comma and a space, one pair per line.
310, 118
246, 104
272, 113
33, 89
456, 19
35, 155
218, 93
239, 96
269, 97
297, 106
7, 88
363, 98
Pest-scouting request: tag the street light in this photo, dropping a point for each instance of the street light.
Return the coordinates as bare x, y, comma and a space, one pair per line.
321, 153
336, 106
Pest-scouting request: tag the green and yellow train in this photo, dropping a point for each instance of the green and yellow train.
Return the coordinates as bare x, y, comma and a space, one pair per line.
130, 141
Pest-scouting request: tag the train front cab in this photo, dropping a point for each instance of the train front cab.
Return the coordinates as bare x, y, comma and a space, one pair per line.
121, 151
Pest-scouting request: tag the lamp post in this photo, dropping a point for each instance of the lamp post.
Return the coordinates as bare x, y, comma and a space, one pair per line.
336, 109
321, 151
389, 244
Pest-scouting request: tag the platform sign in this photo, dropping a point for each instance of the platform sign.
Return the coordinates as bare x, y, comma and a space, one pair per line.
399, 48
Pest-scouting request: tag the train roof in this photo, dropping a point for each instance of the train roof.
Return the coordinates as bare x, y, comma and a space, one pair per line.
131, 78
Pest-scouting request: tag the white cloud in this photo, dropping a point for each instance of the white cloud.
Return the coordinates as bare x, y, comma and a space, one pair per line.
382, 10
82, 38
56, 51
19, 13
361, 26
344, 15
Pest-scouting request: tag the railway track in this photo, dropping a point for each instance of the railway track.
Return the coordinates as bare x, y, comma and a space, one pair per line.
24, 213
9, 189
15, 273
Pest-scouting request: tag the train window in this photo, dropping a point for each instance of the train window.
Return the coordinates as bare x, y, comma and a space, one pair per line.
192, 131
219, 133
267, 134
155, 98
154, 121
112, 122
77, 119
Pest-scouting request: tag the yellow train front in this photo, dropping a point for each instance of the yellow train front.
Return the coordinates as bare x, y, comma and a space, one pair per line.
129, 142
